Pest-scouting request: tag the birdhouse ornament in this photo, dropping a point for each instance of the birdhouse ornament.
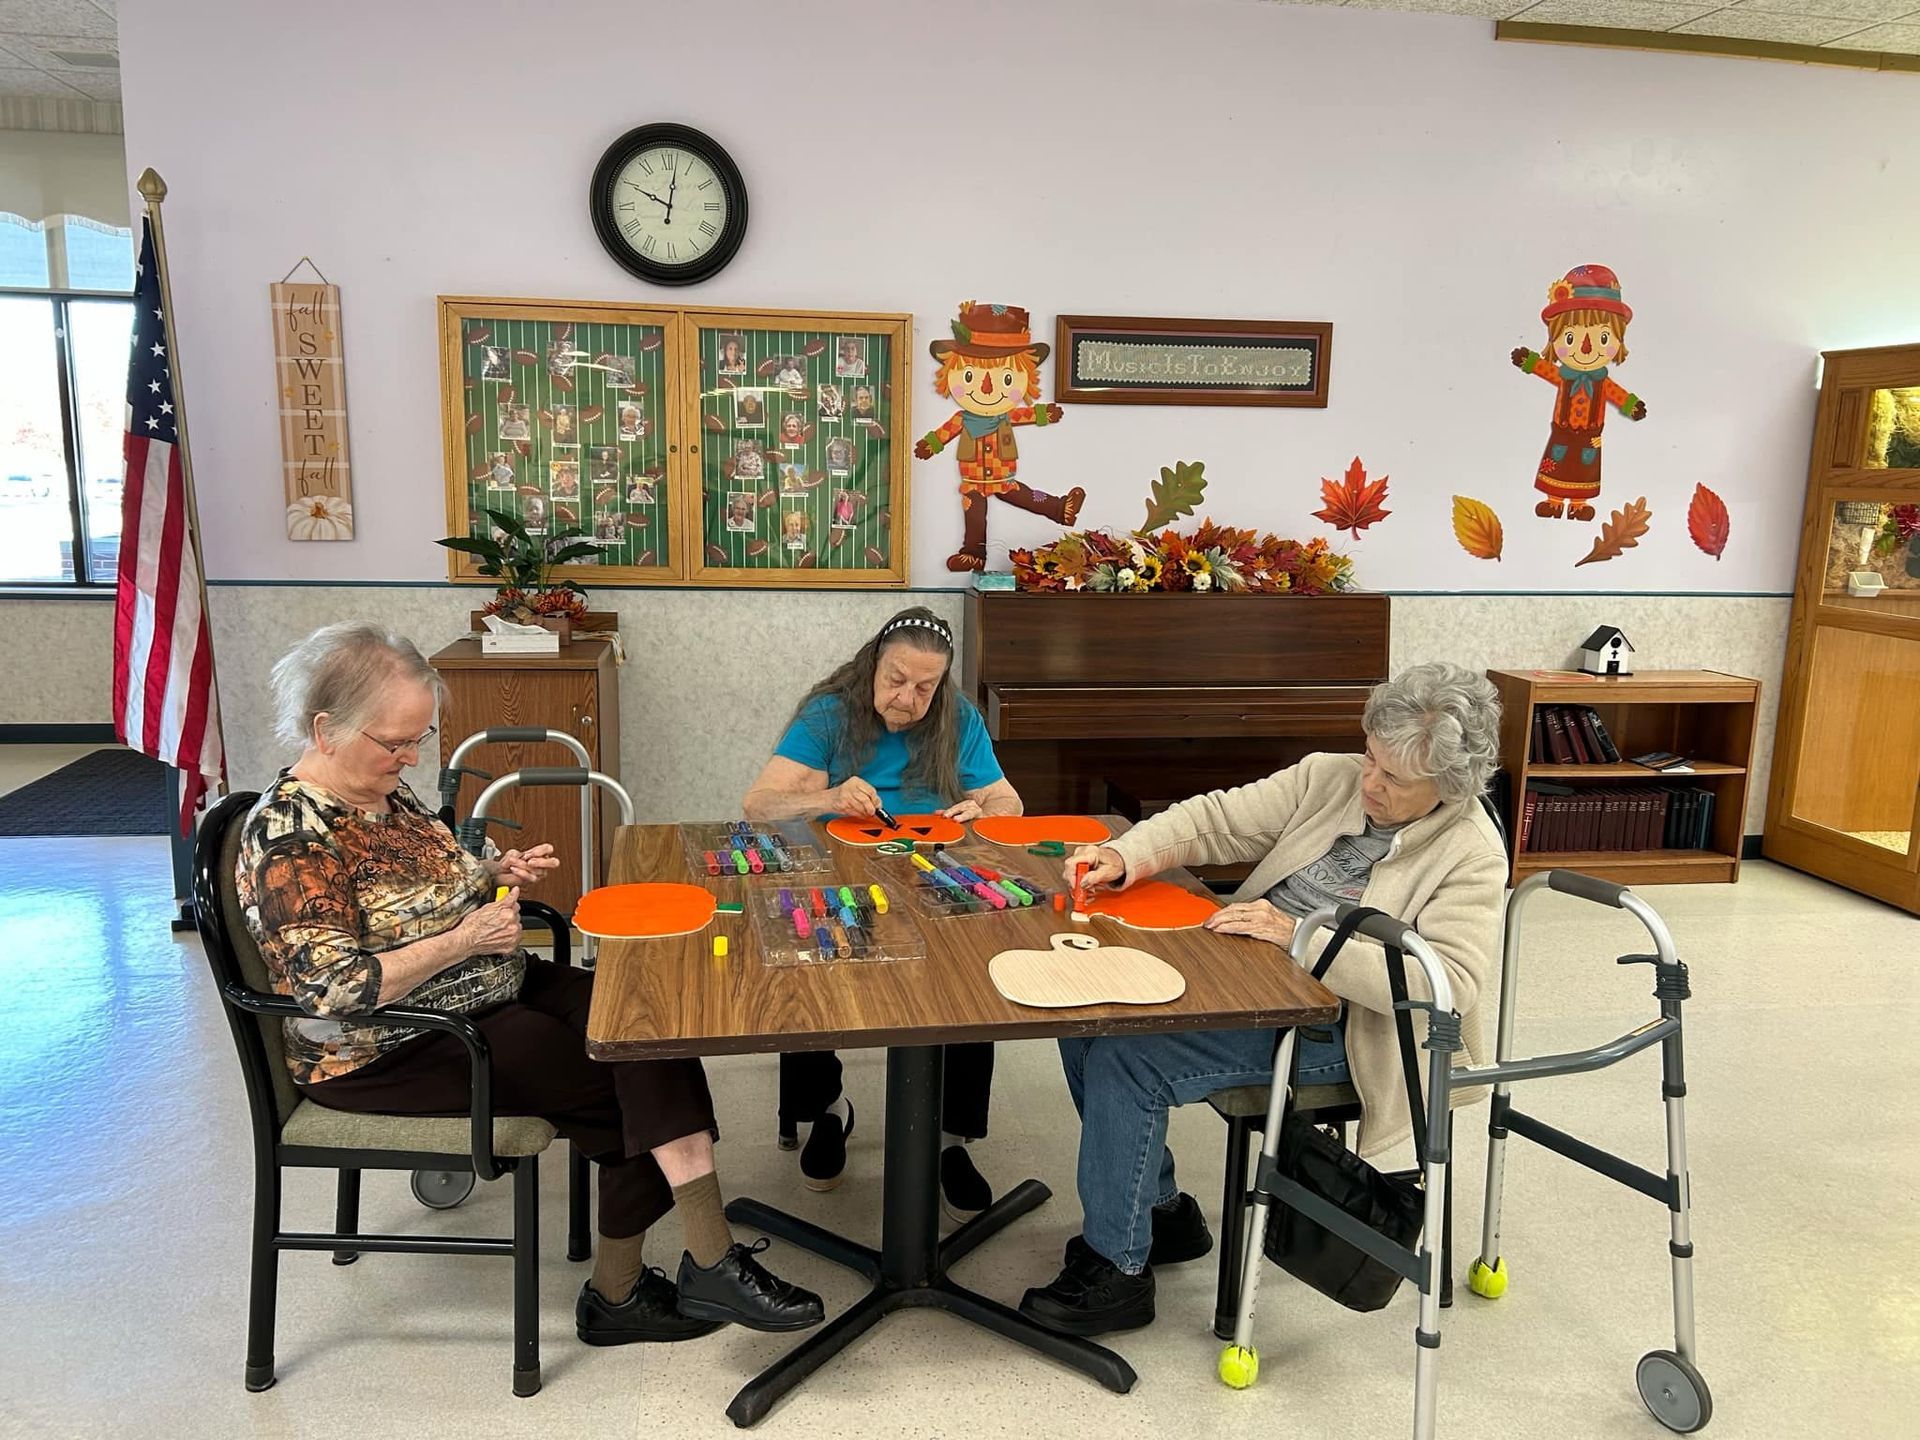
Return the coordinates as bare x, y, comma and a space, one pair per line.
1606, 652
1586, 339
991, 370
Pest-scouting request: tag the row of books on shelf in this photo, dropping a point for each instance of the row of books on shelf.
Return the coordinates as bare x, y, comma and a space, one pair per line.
1642, 818
1570, 735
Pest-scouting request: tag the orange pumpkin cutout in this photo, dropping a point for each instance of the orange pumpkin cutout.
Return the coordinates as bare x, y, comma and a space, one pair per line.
643, 912
1153, 905
866, 830
1016, 830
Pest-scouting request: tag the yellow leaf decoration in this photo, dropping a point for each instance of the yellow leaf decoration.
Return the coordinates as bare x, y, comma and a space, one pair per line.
1621, 533
1477, 528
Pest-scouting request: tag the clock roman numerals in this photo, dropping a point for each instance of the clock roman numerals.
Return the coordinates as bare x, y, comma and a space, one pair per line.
648, 245
646, 166
707, 227
632, 227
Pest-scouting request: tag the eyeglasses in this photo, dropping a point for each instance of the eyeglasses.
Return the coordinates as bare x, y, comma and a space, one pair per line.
394, 747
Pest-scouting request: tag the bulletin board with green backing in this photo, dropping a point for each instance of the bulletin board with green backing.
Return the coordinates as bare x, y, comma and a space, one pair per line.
805, 440
558, 413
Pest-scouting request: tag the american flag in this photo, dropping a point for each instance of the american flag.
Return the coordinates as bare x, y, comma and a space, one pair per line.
163, 693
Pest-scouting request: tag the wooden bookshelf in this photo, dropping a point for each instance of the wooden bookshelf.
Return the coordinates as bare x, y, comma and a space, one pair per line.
1702, 714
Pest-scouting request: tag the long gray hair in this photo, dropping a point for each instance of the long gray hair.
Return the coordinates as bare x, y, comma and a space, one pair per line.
340, 671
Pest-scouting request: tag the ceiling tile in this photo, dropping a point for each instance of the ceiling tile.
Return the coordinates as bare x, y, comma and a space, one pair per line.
34, 82
1619, 14
1484, 9
1900, 39
38, 49
1862, 10
97, 84
1779, 29
54, 17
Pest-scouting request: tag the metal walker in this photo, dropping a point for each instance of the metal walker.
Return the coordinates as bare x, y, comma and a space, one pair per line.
1669, 1384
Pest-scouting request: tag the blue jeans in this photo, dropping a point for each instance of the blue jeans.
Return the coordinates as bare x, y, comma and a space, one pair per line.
1123, 1085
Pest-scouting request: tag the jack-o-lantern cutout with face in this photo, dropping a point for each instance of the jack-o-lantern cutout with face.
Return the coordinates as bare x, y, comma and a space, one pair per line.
1586, 336
991, 370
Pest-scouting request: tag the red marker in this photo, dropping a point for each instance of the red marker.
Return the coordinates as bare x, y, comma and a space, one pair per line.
1080, 892
713, 863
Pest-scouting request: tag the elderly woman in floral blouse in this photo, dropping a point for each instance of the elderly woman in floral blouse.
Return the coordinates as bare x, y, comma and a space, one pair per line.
359, 897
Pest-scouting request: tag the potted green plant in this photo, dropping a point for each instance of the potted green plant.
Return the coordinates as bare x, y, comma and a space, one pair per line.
523, 564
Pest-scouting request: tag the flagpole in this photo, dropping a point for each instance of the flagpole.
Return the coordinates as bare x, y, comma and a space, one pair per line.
154, 191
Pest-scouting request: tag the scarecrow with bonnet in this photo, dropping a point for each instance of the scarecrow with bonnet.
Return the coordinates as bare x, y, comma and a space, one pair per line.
991, 370
1586, 337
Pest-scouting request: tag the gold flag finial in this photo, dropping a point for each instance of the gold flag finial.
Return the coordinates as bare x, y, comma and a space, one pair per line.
152, 187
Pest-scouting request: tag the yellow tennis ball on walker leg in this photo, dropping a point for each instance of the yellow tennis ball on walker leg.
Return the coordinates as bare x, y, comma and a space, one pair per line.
1239, 1366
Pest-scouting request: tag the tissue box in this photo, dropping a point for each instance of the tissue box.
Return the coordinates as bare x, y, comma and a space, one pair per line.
545, 643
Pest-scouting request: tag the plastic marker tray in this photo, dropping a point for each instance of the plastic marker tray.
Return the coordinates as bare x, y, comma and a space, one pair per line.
842, 921
971, 879
743, 850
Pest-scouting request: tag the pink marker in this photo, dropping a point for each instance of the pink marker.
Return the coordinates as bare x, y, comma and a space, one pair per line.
800, 925
988, 893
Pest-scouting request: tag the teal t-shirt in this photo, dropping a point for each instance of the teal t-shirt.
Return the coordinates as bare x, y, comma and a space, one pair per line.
817, 740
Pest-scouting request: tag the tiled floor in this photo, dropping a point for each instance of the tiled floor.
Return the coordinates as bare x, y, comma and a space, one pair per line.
123, 1220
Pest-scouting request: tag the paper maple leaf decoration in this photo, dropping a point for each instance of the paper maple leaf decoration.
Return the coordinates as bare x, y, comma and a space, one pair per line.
1621, 533
1708, 522
1353, 503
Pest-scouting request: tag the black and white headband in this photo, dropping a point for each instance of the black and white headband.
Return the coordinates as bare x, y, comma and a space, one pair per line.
907, 622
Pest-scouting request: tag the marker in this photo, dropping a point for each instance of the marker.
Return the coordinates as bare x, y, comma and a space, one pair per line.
1079, 914
755, 863
1016, 892
800, 925
713, 863
920, 862
879, 898
786, 900
740, 862
885, 819
719, 947
500, 892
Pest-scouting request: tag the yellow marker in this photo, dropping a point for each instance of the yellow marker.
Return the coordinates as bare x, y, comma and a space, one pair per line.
920, 861
879, 899
719, 947
500, 892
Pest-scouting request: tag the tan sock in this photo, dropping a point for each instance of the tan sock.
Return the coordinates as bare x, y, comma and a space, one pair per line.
617, 1266
702, 1220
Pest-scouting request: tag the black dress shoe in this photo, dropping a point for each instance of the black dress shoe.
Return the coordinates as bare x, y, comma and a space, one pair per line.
1180, 1232
1091, 1296
741, 1290
964, 1191
650, 1313
824, 1160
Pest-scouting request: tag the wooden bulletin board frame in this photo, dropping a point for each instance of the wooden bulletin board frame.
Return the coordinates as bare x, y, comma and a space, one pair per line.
489, 345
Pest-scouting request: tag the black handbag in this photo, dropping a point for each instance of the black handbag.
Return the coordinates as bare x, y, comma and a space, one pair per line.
1319, 1163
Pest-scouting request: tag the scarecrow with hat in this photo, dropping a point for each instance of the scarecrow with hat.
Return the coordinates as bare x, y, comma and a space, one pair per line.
991, 370
1586, 337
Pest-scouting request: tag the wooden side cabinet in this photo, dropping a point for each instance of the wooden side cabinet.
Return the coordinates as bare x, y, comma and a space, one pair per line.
576, 691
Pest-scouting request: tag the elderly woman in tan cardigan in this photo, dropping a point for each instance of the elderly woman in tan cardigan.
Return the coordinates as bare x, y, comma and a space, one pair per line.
1399, 828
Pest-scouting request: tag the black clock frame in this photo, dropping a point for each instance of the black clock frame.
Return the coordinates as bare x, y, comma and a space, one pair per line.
600, 203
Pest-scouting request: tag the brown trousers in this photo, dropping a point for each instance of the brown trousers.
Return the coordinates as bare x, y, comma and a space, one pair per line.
616, 1112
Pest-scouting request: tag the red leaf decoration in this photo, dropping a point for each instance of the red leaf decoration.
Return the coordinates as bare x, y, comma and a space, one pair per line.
1707, 521
1353, 503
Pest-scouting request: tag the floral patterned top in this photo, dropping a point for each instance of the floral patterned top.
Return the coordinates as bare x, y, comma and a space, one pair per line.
326, 888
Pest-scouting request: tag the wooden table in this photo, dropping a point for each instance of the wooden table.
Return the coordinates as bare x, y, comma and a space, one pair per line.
662, 998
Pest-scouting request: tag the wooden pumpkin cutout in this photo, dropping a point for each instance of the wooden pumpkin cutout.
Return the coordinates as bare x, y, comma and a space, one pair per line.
1079, 970
649, 911
925, 829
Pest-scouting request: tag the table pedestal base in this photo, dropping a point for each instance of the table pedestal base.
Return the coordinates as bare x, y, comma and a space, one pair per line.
909, 1270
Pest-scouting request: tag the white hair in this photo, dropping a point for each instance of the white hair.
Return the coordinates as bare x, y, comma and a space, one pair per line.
340, 671
1442, 722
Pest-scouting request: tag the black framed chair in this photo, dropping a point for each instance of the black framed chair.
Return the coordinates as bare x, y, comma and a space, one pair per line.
291, 1131
1244, 1108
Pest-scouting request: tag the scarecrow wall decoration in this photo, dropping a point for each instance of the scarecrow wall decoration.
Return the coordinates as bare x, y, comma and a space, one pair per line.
1586, 337
991, 370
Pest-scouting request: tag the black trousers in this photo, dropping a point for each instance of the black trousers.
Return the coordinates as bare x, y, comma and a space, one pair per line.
616, 1112
810, 1082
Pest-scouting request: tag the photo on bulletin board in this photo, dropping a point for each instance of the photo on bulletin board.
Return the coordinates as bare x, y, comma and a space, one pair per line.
805, 441
559, 414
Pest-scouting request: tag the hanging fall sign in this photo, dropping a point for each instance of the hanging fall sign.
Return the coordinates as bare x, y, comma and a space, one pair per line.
311, 376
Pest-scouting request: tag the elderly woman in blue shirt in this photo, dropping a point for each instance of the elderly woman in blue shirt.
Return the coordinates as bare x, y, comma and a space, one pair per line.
889, 730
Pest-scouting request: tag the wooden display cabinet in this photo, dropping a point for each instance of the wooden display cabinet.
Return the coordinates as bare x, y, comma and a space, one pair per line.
1844, 803
1702, 714
576, 691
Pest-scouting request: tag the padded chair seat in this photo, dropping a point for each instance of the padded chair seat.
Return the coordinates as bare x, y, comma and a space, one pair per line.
1251, 1100
317, 1126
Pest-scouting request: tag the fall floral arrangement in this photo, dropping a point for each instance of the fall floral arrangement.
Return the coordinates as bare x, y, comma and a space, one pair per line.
523, 564
1898, 526
1209, 558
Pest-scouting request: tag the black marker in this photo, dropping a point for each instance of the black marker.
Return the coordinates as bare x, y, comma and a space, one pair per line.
886, 819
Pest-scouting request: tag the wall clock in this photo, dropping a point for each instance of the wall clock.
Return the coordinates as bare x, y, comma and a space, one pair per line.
669, 204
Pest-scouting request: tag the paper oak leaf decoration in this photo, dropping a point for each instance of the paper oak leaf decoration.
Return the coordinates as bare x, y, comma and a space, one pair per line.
1477, 528
1707, 521
1621, 533
1177, 492
1353, 503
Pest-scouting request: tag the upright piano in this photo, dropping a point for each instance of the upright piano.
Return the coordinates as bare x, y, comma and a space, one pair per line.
1130, 703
